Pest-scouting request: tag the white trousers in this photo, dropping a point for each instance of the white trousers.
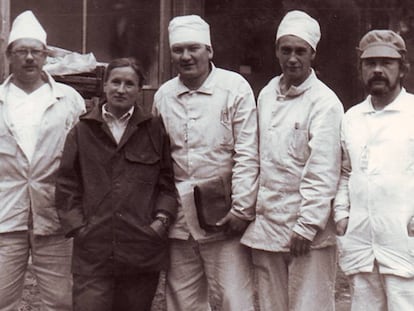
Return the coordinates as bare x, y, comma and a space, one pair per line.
381, 292
51, 265
305, 283
218, 272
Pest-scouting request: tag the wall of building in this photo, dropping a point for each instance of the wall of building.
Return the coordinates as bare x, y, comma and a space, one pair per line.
61, 19
243, 35
113, 28
242, 31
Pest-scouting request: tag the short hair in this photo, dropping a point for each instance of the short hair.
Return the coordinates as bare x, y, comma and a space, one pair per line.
9, 49
126, 62
405, 64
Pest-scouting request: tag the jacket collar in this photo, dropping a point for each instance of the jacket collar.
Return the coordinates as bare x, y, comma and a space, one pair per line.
206, 88
56, 92
138, 116
398, 104
295, 91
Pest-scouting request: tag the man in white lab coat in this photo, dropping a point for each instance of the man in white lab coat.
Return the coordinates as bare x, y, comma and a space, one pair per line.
374, 208
293, 236
36, 113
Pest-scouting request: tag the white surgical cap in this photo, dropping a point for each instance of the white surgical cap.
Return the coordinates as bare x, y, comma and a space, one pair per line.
300, 24
189, 28
26, 26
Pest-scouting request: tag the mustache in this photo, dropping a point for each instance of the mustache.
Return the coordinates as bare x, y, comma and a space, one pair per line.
378, 79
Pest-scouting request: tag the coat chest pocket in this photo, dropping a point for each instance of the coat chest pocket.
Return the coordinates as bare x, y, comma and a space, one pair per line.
145, 158
298, 145
142, 166
226, 129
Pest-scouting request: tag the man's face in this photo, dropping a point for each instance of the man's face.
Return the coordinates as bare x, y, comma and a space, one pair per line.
121, 90
27, 57
192, 60
381, 76
295, 56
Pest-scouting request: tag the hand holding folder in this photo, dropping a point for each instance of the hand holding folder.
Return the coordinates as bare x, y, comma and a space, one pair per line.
213, 201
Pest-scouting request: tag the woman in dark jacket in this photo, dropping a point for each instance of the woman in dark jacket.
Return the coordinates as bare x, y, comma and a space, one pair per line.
115, 195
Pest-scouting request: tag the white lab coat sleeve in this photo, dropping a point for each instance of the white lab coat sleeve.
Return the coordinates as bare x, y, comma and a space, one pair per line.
341, 202
322, 169
246, 158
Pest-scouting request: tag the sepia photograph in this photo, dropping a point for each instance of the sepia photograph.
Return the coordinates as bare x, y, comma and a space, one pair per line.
206, 155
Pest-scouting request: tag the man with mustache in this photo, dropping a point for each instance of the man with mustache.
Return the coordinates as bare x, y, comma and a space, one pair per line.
293, 236
374, 208
36, 113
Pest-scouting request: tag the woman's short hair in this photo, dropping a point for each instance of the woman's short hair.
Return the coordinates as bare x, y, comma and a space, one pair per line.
126, 62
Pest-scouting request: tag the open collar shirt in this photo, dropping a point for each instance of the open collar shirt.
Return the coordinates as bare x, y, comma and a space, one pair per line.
28, 164
25, 112
116, 125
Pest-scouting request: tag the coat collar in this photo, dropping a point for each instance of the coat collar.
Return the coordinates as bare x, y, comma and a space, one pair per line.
56, 91
138, 116
206, 88
399, 104
295, 91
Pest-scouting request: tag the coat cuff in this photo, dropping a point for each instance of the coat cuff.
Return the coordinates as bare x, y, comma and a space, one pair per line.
168, 205
340, 215
307, 231
72, 221
247, 214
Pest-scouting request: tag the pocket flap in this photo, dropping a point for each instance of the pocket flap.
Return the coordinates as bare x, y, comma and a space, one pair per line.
142, 157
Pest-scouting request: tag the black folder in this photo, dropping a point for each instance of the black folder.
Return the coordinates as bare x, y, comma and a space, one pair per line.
213, 202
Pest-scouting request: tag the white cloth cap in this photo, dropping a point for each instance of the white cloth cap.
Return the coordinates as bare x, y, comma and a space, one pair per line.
189, 28
26, 26
300, 24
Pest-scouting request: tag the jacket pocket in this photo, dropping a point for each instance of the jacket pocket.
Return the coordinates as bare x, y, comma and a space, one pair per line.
298, 145
144, 248
148, 158
89, 233
227, 140
142, 166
